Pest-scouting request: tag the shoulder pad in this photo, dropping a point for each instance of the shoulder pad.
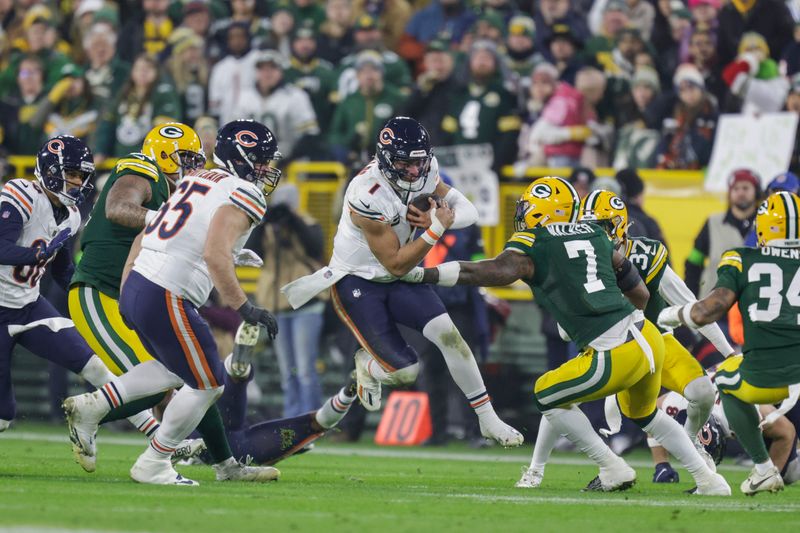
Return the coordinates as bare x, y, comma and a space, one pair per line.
247, 197
525, 238
368, 199
138, 164
22, 194
731, 258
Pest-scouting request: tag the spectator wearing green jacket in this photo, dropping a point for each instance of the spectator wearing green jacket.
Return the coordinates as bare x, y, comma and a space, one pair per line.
105, 73
20, 112
312, 74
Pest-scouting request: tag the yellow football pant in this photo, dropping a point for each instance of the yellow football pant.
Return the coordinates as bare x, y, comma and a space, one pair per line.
96, 316
592, 375
730, 381
680, 366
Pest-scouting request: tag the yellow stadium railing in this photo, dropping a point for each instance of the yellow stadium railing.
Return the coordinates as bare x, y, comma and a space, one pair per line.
675, 198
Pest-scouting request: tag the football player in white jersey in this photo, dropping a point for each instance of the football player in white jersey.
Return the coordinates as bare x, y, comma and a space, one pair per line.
374, 248
183, 253
36, 220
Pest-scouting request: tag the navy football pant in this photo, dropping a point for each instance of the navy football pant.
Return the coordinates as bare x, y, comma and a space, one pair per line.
64, 347
372, 312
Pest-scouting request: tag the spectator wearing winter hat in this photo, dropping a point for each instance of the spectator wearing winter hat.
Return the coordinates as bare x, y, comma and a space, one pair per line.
392, 15
234, 73
704, 14
723, 231
703, 55
105, 72
188, 69
521, 54
614, 19
490, 26
197, 17
563, 51
312, 74
558, 12
632, 191
770, 18
542, 86
70, 108
641, 15
637, 122
753, 77
688, 134
335, 39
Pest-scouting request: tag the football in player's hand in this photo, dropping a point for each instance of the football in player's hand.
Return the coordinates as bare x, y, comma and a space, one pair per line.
421, 202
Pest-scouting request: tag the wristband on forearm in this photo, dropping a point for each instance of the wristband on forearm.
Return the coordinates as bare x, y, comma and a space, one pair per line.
685, 314
435, 231
448, 273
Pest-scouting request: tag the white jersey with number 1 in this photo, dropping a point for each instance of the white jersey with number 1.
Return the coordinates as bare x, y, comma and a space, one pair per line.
174, 241
19, 285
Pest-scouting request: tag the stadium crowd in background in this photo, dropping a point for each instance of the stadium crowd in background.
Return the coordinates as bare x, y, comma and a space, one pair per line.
556, 82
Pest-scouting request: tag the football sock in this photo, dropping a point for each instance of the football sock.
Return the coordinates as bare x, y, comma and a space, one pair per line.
269, 442
674, 439
233, 402
212, 430
743, 419
700, 396
576, 427
96, 372
545, 441
142, 380
145, 423
457, 354
765, 467
333, 410
131, 408
181, 416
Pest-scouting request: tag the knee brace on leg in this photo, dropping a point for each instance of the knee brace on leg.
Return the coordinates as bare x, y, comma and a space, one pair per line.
700, 394
403, 376
4, 424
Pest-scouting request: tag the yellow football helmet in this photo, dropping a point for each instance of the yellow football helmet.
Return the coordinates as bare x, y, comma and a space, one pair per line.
609, 211
175, 147
777, 221
546, 201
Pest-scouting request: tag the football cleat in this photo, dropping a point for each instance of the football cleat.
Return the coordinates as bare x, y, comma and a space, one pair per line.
769, 482
665, 474
495, 429
369, 388
713, 486
707, 459
158, 472
187, 450
618, 478
83, 413
531, 478
235, 471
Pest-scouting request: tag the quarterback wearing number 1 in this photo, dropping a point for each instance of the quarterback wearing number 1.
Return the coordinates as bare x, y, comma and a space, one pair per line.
576, 274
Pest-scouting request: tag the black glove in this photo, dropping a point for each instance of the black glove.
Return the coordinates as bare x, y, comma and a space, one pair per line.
256, 315
46, 251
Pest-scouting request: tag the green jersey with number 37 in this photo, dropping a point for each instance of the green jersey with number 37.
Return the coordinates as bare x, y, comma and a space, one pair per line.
649, 256
767, 284
574, 278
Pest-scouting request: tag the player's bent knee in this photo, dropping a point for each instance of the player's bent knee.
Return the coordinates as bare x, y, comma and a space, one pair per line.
700, 392
4, 425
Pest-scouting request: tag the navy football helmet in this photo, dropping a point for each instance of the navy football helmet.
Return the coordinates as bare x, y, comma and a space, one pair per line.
242, 145
403, 144
712, 437
62, 157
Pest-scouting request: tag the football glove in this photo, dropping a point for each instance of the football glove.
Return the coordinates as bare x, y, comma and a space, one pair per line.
46, 251
665, 474
256, 315
247, 258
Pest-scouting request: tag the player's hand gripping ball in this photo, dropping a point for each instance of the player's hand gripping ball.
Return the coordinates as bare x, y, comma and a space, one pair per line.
419, 210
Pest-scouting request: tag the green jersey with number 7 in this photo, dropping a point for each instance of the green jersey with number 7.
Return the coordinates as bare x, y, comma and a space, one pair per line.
767, 284
574, 277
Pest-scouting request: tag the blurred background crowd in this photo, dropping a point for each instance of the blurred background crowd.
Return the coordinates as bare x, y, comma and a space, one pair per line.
576, 84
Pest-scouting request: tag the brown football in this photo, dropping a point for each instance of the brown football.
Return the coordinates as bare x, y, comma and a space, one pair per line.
421, 202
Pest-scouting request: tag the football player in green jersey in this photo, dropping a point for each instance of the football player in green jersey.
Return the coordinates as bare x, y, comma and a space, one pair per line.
765, 281
576, 274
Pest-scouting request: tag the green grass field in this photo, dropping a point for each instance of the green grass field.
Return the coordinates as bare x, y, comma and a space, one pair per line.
357, 489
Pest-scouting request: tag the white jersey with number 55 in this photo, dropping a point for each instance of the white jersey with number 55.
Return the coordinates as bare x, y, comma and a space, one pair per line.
174, 241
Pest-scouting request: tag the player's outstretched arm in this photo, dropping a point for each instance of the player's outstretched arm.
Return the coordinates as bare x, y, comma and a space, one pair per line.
503, 270
383, 241
125, 200
629, 281
705, 311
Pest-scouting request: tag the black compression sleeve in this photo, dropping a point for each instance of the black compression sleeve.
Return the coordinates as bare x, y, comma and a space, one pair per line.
627, 276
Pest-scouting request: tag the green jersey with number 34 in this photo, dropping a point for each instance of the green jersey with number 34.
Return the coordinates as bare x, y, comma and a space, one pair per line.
574, 278
767, 284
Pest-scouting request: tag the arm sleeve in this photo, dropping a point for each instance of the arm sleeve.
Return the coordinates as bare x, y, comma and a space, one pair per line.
466, 214
675, 292
10, 230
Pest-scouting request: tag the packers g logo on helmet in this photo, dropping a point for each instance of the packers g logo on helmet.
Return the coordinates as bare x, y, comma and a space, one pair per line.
777, 221
547, 200
175, 147
608, 210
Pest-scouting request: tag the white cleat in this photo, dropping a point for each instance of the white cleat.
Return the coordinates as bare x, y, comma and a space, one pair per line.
236, 471
187, 450
769, 482
616, 478
495, 429
369, 388
706, 457
83, 413
158, 472
530, 479
238, 364
714, 486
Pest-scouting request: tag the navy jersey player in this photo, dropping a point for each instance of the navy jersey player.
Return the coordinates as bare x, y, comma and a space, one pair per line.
37, 218
374, 248
183, 253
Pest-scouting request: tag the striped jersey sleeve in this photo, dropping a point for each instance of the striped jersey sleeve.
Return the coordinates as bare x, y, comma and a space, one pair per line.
658, 264
729, 271
139, 165
19, 195
521, 241
250, 200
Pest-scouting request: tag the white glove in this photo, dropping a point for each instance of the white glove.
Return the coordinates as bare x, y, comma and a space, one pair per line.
247, 258
668, 317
